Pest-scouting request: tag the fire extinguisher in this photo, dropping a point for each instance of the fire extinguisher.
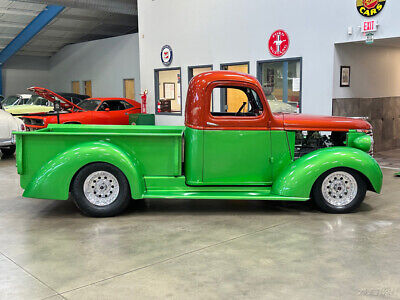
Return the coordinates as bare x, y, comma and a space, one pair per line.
158, 106
144, 101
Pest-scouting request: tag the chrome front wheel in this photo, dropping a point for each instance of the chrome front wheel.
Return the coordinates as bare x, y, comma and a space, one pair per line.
339, 190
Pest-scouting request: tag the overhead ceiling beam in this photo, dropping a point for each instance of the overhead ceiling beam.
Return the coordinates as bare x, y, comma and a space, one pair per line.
83, 30
33, 28
118, 19
128, 20
126, 7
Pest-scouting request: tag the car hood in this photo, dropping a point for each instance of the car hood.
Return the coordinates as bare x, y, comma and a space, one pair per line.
321, 123
51, 96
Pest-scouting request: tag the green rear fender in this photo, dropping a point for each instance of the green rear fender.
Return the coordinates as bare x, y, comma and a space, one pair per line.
53, 180
297, 179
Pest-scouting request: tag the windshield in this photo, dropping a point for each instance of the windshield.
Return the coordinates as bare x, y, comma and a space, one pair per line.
89, 104
37, 100
10, 100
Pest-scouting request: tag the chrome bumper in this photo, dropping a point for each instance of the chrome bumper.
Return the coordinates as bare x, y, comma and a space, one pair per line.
7, 142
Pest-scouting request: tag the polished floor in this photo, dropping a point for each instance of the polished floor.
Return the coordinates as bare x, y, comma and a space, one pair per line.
200, 249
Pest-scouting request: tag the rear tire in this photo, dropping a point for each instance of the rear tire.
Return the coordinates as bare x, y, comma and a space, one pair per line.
339, 191
101, 190
8, 151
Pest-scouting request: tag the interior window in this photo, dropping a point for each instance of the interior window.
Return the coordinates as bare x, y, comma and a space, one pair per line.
168, 91
281, 82
236, 101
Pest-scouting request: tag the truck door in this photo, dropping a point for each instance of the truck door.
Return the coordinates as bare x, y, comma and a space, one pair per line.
237, 145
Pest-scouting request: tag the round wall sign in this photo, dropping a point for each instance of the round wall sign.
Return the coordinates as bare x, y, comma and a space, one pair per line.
166, 55
278, 43
370, 8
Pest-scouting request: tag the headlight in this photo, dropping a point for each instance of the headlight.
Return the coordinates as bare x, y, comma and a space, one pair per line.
363, 143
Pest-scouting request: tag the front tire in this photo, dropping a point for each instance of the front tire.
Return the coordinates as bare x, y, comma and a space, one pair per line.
339, 191
101, 190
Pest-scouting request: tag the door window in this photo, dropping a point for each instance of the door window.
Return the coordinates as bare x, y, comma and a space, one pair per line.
236, 102
113, 105
281, 82
231, 100
168, 91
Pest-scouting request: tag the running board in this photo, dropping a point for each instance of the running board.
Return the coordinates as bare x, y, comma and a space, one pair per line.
228, 195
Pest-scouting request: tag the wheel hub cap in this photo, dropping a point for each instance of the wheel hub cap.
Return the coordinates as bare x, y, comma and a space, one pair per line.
339, 188
101, 188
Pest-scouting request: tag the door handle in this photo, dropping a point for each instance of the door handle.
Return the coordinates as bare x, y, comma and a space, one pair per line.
212, 124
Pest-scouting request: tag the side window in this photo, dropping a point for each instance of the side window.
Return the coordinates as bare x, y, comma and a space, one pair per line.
235, 101
75, 100
42, 101
103, 106
113, 105
126, 105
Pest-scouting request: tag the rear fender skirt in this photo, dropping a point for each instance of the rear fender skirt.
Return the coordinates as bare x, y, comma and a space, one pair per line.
299, 177
53, 180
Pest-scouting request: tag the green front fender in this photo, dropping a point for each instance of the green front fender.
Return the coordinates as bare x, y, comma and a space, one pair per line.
297, 179
53, 180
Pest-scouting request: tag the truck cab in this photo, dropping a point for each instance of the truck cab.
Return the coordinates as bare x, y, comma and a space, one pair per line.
231, 147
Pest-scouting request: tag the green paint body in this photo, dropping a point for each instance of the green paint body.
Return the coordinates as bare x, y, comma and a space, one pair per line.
219, 164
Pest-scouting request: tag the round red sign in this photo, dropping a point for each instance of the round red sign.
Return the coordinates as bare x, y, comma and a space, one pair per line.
278, 43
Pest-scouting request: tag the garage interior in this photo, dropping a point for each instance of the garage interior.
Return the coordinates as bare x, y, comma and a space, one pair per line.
199, 249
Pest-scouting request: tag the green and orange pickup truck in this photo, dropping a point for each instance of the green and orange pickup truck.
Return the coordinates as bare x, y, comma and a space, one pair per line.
231, 147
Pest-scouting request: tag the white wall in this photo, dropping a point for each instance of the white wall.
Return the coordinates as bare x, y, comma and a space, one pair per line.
105, 62
375, 71
214, 32
22, 72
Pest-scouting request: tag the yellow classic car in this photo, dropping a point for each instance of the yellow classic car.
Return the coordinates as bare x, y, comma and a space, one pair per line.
35, 104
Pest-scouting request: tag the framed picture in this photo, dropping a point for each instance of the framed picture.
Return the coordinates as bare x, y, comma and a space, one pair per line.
345, 76
169, 90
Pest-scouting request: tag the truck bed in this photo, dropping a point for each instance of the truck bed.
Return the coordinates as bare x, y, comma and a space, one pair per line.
157, 148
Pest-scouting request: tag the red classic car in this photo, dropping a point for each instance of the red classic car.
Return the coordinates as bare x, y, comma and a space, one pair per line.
101, 111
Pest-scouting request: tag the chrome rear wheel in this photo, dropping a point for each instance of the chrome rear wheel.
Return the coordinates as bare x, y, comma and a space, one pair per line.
101, 188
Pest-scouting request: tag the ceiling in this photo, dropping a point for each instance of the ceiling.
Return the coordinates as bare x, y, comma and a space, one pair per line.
81, 20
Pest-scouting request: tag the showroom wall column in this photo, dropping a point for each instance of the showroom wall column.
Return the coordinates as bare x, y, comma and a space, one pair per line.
33, 28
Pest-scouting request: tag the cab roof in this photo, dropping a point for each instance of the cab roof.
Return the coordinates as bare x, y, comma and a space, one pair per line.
195, 112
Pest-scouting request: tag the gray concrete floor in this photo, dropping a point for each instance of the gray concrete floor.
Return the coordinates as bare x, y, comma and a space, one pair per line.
200, 249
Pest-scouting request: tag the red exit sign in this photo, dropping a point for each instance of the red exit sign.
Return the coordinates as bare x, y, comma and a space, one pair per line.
369, 26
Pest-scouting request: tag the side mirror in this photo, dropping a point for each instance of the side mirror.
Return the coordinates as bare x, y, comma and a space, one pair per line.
106, 109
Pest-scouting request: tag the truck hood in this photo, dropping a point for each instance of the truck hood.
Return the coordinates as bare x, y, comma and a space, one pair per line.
321, 123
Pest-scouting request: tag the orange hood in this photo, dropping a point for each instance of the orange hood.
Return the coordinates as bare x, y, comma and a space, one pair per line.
321, 123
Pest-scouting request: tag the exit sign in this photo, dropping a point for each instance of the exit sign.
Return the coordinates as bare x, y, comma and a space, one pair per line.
369, 26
